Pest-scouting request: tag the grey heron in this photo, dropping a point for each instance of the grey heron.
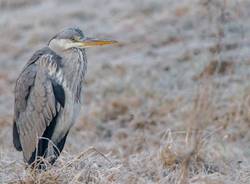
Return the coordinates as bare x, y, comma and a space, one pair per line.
48, 95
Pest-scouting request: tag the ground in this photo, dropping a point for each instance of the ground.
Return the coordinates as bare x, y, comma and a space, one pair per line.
169, 104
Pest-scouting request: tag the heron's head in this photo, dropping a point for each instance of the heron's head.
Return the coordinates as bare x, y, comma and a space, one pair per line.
74, 38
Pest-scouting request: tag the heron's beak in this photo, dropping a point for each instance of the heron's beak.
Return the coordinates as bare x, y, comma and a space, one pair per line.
93, 42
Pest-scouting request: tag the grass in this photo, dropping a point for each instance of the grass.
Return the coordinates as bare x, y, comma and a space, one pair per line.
195, 154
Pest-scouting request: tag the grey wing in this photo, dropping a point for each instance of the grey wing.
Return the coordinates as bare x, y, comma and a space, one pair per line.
22, 90
35, 107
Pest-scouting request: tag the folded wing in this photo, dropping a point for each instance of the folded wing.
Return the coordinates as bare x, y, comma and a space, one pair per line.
36, 104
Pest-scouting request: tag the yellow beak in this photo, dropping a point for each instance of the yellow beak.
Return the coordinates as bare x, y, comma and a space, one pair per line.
92, 42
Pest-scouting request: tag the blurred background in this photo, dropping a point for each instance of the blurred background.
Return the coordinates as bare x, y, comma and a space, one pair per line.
169, 104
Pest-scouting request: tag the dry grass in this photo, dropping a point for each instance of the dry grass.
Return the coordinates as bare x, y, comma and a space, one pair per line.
192, 155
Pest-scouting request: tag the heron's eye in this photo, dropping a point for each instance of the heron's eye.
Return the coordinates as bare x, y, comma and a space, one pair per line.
72, 38
76, 38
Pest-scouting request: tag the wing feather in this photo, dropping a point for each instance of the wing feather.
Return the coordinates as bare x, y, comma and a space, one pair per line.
35, 102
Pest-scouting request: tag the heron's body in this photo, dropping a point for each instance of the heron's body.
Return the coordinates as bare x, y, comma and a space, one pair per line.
48, 96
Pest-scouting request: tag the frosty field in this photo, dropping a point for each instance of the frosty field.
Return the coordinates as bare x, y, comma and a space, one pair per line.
169, 104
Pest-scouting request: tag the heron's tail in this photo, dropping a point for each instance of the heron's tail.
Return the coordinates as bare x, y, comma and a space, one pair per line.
16, 140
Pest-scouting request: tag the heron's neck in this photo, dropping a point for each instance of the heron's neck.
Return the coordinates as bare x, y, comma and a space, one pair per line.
75, 66
56, 46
